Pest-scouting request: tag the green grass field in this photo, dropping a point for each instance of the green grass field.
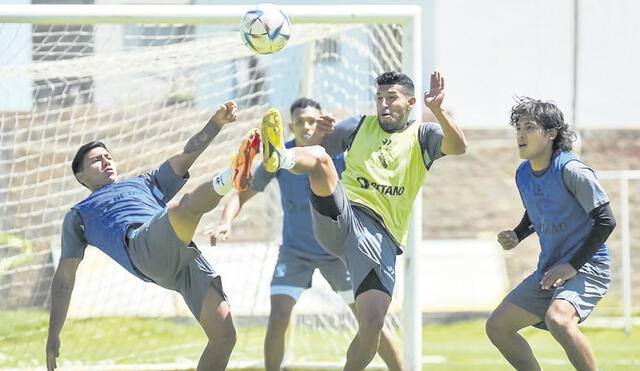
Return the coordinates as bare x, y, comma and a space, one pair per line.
458, 346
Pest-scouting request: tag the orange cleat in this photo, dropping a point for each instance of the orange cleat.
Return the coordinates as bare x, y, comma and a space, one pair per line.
241, 165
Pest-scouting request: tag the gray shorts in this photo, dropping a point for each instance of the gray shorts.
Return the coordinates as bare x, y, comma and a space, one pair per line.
156, 251
295, 268
359, 240
583, 291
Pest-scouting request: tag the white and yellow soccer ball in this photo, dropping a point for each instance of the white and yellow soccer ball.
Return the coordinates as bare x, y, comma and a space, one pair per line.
265, 29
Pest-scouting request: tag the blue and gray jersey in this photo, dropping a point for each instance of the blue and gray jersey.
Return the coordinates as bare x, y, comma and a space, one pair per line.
558, 203
103, 217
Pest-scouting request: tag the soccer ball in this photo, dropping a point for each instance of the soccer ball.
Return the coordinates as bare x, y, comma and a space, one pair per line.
265, 29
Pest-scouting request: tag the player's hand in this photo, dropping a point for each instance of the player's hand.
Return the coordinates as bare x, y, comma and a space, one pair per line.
557, 276
53, 351
226, 113
508, 239
434, 97
325, 124
220, 233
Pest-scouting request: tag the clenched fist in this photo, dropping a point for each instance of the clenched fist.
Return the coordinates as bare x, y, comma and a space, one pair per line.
508, 239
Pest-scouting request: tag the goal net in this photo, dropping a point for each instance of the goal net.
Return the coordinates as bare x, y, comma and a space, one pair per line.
145, 88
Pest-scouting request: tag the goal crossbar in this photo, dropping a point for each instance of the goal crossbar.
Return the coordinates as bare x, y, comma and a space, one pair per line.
200, 14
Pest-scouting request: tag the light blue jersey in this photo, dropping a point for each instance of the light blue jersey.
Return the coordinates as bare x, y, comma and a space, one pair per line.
559, 219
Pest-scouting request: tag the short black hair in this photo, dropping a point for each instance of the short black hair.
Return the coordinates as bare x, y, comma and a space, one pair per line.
76, 164
396, 78
303, 103
547, 115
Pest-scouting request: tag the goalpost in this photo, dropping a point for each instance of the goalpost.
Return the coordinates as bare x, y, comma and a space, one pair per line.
624, 176
144, 79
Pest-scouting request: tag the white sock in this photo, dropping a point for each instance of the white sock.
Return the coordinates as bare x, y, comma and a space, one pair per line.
222, 182
288, 159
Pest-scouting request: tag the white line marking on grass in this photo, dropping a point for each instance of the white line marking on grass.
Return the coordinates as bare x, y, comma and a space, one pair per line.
628, 362
434, 359
549, 361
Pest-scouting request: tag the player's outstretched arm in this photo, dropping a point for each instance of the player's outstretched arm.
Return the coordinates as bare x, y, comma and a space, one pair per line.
182, 161
231, 210
453, 142
61, 288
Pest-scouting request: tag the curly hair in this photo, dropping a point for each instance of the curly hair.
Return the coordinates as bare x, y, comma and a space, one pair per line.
547, 115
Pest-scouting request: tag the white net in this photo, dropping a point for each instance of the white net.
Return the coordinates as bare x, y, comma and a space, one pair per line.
145, 90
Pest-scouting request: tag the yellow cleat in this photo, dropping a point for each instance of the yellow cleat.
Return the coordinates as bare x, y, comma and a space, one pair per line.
272, 133
241, 165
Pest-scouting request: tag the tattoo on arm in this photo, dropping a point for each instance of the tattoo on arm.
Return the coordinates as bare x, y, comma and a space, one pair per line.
200, 141
212, 128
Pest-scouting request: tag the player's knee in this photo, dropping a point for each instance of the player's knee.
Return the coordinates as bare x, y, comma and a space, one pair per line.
371, 324
492, 328
279, 319
185, 205
557, 321
225, 336
320, 155
222, 334
495, 328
